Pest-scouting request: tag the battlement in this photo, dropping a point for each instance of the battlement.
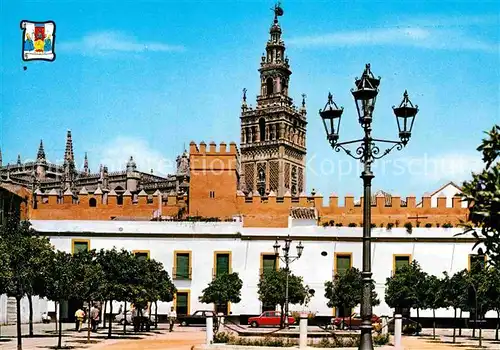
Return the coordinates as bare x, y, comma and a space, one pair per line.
385, 210
105, 206
201, 149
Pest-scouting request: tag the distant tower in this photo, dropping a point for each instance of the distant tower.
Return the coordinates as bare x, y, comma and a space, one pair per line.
273, 135
19, 159
133, 176
182, 174
69, 163
41, 162
86, 169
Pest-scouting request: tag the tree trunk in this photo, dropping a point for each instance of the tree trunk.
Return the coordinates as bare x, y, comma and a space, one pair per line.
55, 314
18, 326
110, 312
460, 324
156, 314
88, 321
104, 314
498, 321
30, 302
454, 324
125, 318
59, 341
418, 319
433, 324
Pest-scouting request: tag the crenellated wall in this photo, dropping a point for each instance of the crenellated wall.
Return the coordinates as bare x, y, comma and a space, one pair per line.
52, 207
273, 211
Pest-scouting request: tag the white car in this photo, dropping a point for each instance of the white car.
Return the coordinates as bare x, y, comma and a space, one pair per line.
128, 318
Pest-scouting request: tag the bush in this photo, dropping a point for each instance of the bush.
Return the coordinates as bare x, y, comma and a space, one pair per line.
338, 342
352, 224
339, 224
372, 225
296, 315
428, 225
447, 225
381, 339
409, 227
390, 225
223, 337
266, 341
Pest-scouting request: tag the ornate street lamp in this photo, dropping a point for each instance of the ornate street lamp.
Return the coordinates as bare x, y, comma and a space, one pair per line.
287, 259
365, 95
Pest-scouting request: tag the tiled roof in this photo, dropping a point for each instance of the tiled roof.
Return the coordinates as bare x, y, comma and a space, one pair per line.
303, 213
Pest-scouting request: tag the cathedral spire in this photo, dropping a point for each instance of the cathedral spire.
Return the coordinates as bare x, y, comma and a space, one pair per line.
86, 165
68, 153
19, 159
41, 152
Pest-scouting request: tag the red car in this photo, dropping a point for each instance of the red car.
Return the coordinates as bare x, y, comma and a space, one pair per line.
268, 318
353, 322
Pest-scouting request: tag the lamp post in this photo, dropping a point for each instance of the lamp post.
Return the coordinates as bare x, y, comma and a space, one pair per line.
365, 95
287, 259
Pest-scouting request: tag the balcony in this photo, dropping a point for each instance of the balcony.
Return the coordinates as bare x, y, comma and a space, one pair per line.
214, 273
181, 275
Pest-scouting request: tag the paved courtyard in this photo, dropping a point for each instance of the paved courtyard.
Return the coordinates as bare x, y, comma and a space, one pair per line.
186, 338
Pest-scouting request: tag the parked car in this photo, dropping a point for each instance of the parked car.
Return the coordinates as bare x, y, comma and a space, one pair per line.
353, 322
409, 326
120, 318
196, 319
268, 318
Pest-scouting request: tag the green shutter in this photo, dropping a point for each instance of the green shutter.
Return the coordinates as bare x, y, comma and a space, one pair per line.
343, 263
222, 264
141, 255
182, 265
268, 262
80, 247
402, 261
181, 303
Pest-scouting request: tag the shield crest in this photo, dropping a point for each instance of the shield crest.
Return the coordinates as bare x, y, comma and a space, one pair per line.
39, 39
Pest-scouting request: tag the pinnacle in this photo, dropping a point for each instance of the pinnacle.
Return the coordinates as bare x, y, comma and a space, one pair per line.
41, 152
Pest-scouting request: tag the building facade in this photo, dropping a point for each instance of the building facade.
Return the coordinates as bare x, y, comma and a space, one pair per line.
193, 253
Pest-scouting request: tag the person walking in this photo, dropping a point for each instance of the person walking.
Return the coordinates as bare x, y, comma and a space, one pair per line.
94, 317
79, 317
172, 316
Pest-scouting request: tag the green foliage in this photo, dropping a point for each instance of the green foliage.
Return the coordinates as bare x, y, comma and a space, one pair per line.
447, 225
405, 288
483, 195
455, 290
89, 276
346, 290
344, 341
428, 225
381, 339
352, 224
434, 296
272, 285
390, 225
223, 289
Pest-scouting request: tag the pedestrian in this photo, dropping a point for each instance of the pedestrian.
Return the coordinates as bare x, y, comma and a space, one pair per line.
94, 317
79, 316
135, 319
172, 316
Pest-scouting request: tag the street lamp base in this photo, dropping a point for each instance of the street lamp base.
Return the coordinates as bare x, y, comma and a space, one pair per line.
365, 340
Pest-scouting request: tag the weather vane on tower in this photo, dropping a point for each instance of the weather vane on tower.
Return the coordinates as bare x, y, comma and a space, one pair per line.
278, 11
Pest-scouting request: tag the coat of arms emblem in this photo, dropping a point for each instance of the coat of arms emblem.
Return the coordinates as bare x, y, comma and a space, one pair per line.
39, 40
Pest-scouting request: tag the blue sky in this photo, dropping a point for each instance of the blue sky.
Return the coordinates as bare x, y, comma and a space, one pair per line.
146, 78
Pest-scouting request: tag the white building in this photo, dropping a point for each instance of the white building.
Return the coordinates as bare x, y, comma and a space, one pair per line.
245, 249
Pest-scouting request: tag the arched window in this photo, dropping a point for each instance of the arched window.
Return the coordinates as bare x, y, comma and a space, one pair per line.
269, 86
262, 129
92, 202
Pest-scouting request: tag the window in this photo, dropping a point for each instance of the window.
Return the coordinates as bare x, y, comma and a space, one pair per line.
212, 194
79, 245
222, 263
143, 254
268, 261
262, 129
119, 200
343, 262
92, 202
400, 261
477, 261
181, 302
269, 86
182, 265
